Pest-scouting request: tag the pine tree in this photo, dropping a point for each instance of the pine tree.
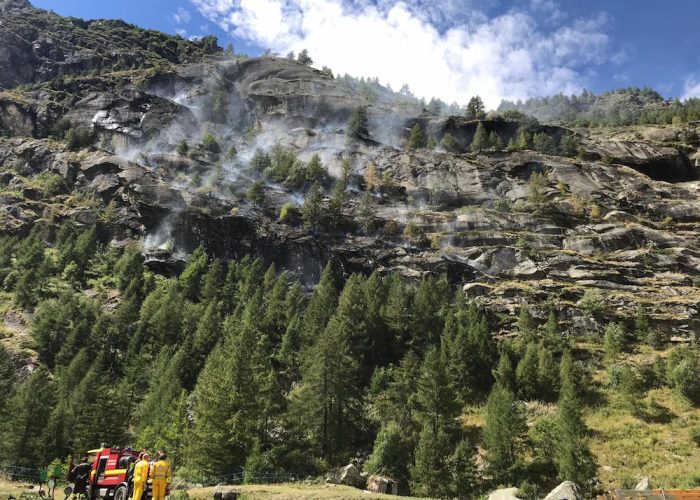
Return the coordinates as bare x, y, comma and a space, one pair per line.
641, 324
390, 454
450, 143
481, 139
504, 374
312, 209
573, 458
191, 278
430, 474
527, 327
436, 403
503, 433
614, 339
396, 311
417, 139
322, 305
495, 141
475, 108
429, 308
547, 375
526, 373
469, 350
464, 471
28, 412
366, 212
232, 388
358, 125
327, 403
568, 145
523, 140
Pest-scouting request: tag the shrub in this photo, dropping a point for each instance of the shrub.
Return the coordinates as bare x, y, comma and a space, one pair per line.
288, 210
450, 143
614, 338
544, 143
592, 301
209, 143
78, 138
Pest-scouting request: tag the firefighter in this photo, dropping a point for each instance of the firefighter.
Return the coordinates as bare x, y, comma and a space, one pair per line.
140, 476
161, 476
79, 475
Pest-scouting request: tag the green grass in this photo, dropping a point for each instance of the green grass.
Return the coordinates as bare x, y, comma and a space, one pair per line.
291, 491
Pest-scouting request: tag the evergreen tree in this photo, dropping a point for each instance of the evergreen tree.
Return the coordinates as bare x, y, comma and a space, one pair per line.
641, 324
464, 471
396, 310
544, 143
193, 274
430, 474
475, 108
312, 210
450, 143
322, 305
327, 403
504, 374
256, 194
527, 327
428, 312
366, 212
436, 403
547, 375
503, 433
526, 373
232, 389
28, 412
614, 339
358, 125
469, 351
481, 139
390, 454
573, 458
568, 145
495, 141
523, 140
417, 139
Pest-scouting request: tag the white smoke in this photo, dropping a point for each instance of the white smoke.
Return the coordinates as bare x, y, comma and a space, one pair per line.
505, 57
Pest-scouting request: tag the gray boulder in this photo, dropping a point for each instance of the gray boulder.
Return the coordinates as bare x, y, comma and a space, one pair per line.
226, 493
644, 484
565, 491
350, 475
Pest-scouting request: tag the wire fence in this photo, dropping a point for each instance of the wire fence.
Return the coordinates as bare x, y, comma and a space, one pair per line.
252, 478
26, 474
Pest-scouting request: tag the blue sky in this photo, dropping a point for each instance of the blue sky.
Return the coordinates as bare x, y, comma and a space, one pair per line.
453, 48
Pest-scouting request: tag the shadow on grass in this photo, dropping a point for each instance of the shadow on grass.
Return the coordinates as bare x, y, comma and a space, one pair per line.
654, 413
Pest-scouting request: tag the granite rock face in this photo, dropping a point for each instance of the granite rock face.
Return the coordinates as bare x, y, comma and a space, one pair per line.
622, 220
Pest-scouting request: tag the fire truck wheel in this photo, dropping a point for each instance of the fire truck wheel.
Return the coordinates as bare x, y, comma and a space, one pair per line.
121, 493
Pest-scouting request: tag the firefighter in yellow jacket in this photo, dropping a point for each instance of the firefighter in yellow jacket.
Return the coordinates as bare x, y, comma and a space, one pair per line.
140, 476
161, 476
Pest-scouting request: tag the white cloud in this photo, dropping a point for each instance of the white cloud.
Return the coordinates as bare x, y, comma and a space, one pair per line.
182, 16
448, 53
691, 87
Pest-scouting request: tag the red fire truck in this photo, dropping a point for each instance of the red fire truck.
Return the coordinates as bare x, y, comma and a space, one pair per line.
111, 475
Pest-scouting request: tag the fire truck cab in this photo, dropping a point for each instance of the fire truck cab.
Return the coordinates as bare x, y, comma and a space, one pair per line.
111, 476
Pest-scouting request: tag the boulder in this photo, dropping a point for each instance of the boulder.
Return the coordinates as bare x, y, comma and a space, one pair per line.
382, 484
226, 493
504, 494
350, 475
565, 491
644, 484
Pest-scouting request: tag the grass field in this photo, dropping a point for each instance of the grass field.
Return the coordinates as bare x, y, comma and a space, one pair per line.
295, 491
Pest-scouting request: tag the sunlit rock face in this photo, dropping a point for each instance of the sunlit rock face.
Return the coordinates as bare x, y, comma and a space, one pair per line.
622, 217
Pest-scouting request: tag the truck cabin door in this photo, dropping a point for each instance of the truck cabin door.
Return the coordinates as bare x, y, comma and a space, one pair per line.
101, 466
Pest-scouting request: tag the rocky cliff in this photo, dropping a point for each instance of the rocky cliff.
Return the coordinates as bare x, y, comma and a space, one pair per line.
619, 221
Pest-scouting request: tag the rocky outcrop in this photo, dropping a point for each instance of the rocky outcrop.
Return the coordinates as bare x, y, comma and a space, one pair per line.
350, 475
565, 491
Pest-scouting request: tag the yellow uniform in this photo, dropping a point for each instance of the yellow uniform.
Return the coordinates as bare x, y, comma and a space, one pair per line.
140, 478
161, 475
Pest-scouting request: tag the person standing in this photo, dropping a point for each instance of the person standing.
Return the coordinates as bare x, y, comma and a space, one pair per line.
161, 476
140, 476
